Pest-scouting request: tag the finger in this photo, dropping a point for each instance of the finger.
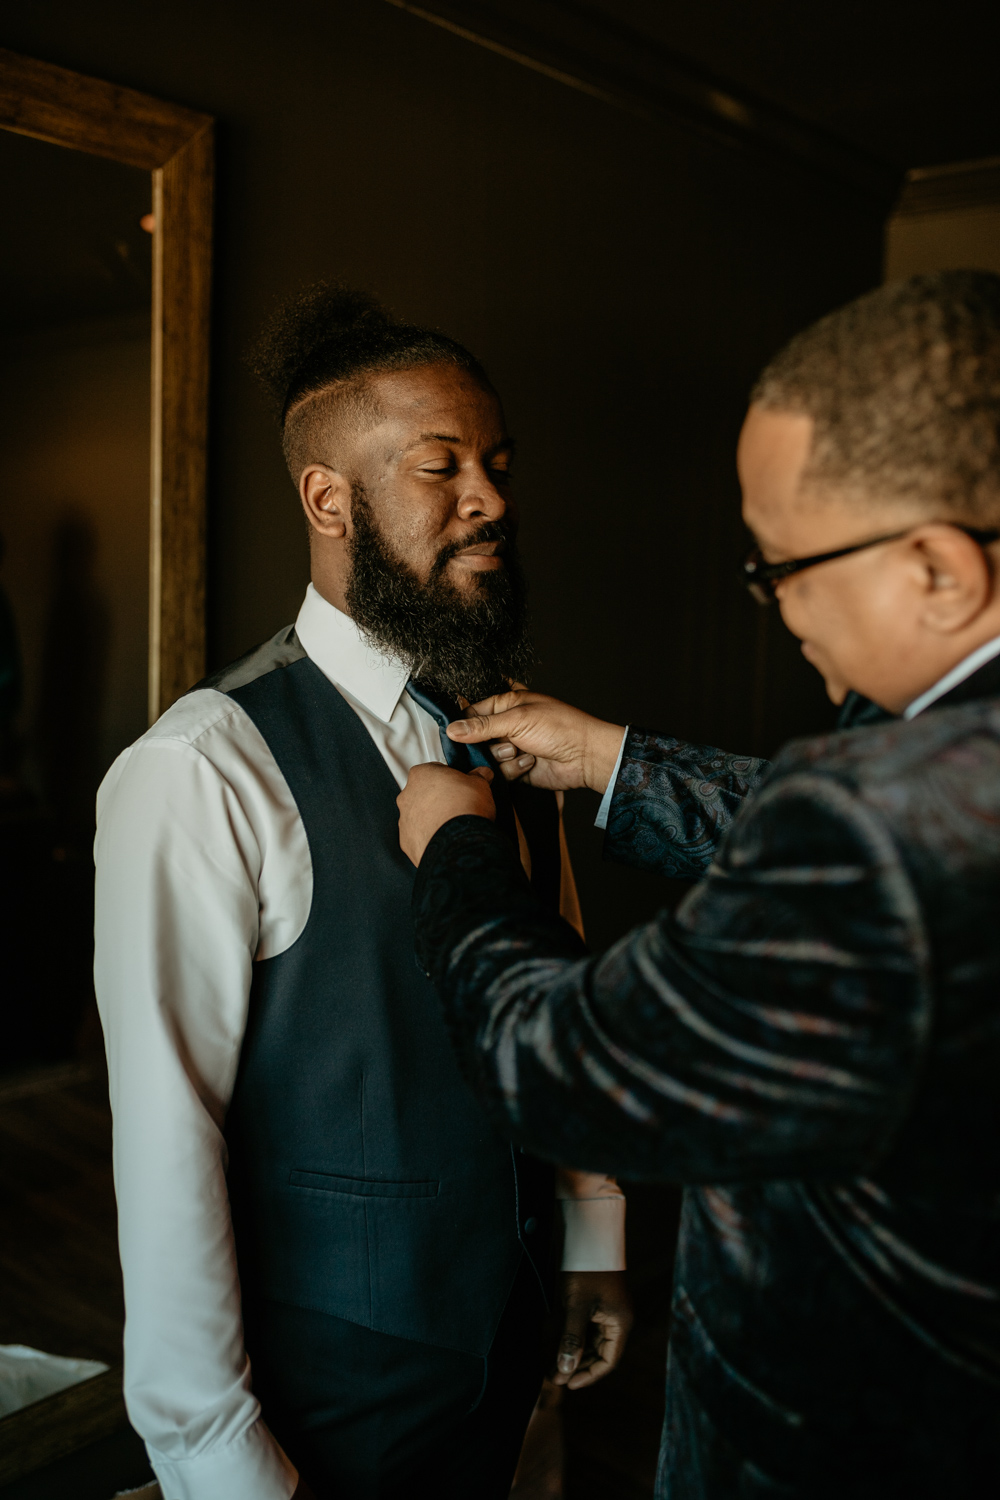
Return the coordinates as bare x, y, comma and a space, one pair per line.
498, 704
592, 1370
430, 771
473, 729
568, 1361
512, 763
608, 1347
610, 1338
499, 726
513, 770
571, 1344
613, 1346
483, 771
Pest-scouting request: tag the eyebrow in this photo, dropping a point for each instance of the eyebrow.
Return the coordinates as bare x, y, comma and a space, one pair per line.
446, 437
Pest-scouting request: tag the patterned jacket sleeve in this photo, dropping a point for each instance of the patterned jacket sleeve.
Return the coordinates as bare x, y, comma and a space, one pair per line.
772, 1028
673, 802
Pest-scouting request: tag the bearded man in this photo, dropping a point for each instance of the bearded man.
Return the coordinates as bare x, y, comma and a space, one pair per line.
302, 1174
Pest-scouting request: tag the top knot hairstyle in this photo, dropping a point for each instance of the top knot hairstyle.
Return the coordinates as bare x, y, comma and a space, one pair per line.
316, 353
903, 386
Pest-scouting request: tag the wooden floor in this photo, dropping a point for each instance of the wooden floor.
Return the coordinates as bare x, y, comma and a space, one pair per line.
60, 1284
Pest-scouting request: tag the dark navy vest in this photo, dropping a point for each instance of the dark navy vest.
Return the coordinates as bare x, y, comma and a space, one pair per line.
365, 1180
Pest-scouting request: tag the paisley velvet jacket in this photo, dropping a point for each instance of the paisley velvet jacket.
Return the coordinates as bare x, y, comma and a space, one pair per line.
811, 1044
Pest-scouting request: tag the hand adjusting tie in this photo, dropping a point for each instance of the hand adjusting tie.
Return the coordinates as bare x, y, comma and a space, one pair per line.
462, 756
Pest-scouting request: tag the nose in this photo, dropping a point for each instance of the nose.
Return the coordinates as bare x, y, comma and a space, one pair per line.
482, 501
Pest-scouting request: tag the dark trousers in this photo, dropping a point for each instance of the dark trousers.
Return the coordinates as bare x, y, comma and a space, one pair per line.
366, 1416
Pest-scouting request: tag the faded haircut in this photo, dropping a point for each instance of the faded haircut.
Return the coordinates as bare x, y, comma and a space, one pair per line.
903, 386
316, 354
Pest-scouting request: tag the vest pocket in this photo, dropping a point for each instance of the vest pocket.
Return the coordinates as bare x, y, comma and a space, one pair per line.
361, 1187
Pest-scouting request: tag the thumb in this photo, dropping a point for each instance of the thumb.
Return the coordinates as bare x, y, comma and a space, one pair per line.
483, 771
479, 727
573, 1340
481, 718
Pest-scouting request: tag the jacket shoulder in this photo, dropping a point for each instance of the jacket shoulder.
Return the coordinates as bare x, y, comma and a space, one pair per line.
933, 782
892, 751
280, 651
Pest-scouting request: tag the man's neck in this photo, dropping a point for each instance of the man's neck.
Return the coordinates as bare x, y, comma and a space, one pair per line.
969, 664
329, 585
917, 666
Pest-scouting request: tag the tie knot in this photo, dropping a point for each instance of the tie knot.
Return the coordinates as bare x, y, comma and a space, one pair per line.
443, 710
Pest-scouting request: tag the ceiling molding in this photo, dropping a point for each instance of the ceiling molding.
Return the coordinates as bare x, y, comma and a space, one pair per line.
588, 50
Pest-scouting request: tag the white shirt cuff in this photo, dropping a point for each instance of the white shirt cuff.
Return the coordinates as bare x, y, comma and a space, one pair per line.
595, 1233
252, 1467
601, 821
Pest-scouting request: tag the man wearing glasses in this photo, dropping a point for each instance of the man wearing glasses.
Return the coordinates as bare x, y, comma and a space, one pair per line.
811, 1044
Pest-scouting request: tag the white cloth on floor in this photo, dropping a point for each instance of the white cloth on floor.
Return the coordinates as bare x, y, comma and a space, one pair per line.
28, 1375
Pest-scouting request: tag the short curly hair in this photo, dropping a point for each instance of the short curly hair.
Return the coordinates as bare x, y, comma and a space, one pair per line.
315, 352
903, 386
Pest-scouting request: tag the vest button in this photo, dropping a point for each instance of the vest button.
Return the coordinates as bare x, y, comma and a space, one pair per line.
530, 1225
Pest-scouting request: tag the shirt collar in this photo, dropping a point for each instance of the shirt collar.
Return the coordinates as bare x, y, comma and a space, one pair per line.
333, 641
972, 663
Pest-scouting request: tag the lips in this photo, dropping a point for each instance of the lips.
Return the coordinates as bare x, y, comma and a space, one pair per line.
484, 549
488, 541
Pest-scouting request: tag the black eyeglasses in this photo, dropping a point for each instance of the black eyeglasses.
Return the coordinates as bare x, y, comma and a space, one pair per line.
761, 577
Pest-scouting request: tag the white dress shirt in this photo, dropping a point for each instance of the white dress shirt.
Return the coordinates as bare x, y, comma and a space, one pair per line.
203, 866
958, 673
601, 821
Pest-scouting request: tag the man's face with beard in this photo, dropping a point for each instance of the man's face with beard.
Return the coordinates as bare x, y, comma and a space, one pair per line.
432, 574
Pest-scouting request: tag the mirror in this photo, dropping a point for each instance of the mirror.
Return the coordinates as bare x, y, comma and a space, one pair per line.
75, 311
104, 281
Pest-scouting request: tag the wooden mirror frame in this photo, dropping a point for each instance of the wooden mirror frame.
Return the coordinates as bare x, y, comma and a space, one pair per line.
176, 146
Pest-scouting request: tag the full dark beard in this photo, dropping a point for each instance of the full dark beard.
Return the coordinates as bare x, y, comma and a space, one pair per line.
467, 646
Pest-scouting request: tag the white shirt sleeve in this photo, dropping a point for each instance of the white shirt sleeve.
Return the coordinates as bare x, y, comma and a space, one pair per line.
593, 1210
601, 821
178, 923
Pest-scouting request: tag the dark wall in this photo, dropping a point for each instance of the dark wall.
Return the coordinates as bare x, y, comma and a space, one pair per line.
623, 282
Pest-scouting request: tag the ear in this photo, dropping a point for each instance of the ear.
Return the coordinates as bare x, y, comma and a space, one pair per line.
326, 500
957, 578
